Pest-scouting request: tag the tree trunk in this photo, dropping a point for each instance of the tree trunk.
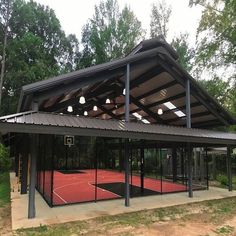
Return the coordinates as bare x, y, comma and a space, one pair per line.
3, 62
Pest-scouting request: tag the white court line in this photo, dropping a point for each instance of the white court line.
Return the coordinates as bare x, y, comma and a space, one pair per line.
103, 189
78, 182
60, 197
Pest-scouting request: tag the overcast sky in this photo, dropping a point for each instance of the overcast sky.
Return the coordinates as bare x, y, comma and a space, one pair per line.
73, 14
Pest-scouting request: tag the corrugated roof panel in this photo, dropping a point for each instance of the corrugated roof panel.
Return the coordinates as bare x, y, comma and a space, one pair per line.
47, 119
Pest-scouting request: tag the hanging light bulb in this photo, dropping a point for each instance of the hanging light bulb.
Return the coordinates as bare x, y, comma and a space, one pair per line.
159, 111
85, 113
70, 109
108, 101
124, 91
95, 108
82, 100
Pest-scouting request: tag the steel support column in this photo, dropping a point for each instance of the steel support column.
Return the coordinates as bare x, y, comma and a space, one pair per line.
188, 124
190, 171
127, 100
33, 159
188, 107
174, 163
24, 166
142, 168
229, 168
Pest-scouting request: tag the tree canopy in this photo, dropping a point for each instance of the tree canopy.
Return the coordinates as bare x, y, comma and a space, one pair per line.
36, 49
109, 34
216, 49
160, 16
216, 33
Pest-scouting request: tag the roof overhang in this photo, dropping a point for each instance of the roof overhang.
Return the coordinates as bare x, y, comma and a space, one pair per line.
48, 123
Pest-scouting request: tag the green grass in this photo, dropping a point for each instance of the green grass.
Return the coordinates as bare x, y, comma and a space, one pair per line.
210, 212
225, 230
4, 188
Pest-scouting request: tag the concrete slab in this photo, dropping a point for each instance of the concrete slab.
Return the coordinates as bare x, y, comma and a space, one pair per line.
46, 215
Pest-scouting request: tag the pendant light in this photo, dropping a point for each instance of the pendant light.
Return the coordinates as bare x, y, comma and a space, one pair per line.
70, 109
108, 101
95, 108
82, 100
159, 111
85, 113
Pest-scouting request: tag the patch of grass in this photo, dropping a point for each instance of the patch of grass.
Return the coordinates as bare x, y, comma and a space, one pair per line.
213, 211
4, 188
132, 219
76, 228
225, 230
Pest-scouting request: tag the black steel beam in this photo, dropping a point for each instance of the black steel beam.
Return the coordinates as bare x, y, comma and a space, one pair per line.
146, 110
33, 160
194, 93
205, 124
172, 98
190, 171
205, 113
183, 108
145, 77
188, 102
105, 110
156, 90
155, 104
127, 113
229, 168
79, 83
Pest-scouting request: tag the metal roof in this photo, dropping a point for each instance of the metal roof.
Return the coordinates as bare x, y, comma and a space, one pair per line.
156, 78
49, 123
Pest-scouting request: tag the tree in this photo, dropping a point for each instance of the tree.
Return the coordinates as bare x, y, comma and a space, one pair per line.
37, 49
109, 34
217, 34
185, 53
218, 89
160, 16
216, 48
5, 13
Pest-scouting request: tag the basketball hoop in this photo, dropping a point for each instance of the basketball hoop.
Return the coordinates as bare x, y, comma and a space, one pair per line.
69, 140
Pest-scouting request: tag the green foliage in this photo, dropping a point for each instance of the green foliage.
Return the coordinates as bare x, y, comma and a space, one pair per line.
185, 53
218, 89
109, 34
4, 188
224, 92
37, 48
225, 230
160, 16
217, 33
5, 161
222, 179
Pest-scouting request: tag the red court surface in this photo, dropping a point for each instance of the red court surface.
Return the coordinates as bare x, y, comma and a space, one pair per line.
79, 187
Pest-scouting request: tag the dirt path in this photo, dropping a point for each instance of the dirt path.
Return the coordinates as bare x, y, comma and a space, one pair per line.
5, 220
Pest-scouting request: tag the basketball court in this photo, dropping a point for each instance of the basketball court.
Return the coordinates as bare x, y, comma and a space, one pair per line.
80, 187
92, 169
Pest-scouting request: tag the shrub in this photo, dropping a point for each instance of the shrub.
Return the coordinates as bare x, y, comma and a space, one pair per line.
222, 179
5, 161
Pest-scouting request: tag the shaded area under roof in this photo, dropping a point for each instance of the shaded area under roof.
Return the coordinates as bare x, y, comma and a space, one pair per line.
156, 78
48, 123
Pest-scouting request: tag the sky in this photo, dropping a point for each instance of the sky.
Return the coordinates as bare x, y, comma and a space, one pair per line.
73, 15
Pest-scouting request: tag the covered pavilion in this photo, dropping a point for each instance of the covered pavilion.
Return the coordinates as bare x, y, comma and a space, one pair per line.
144, 101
